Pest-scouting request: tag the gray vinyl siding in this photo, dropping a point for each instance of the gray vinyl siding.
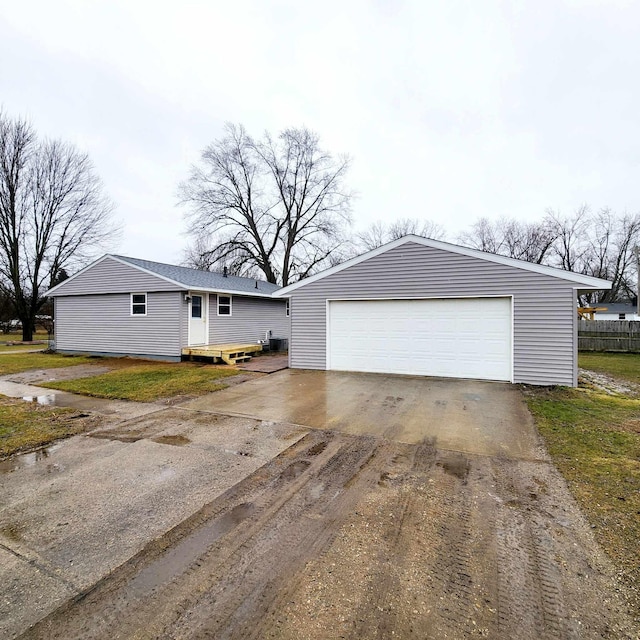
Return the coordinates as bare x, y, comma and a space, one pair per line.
251, 318
112, 276
544, 307
104, 324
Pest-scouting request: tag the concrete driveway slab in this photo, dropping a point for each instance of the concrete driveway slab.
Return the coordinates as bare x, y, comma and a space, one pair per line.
72, 513
477, 417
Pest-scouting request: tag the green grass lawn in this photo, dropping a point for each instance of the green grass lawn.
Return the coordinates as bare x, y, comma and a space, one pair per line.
594, 439
24, 425
625, 366
21, 347
17, 336
149, 381
18, 362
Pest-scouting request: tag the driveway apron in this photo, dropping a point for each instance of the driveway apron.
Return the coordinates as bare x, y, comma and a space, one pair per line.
485, 418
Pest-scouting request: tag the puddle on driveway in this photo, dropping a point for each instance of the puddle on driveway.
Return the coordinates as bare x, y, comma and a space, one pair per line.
25, 460
190, 548
48, 400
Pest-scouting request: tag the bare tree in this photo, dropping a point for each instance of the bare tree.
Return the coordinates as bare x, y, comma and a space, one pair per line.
202, 253
373, 237
610, 253
599, 245
53, 214
379, 233
522, 240
278, 205
572, 233
484, 235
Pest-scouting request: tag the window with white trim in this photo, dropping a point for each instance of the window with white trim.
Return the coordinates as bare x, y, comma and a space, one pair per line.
138, 304
224, 305
287, 308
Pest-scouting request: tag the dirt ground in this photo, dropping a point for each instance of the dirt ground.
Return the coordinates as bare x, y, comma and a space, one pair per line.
351, 535
355, 537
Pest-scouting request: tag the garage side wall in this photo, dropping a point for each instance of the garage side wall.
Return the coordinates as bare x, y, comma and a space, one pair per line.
543, 306
104, 324
251, 318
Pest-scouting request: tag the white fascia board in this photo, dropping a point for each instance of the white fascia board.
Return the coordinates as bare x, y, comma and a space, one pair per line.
246, 294
586, 282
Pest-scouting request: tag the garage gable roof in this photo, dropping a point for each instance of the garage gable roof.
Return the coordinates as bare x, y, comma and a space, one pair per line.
186, 278
580, 281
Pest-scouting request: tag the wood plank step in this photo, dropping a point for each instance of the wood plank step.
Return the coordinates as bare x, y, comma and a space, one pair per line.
235, 359
225, 352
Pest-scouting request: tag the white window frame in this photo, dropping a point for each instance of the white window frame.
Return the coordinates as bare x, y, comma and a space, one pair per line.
132, 304
226, 315
287, 308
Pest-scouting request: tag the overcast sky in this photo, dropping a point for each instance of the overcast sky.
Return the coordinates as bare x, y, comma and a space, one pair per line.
450, 110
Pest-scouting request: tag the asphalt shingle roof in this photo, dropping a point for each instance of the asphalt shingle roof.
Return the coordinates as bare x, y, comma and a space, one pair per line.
194, 278
617, 307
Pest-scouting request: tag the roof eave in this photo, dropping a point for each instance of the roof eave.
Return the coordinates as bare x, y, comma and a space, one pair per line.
588, 283
180, 286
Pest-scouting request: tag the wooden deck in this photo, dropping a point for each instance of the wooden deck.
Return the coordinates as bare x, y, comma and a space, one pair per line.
229, 353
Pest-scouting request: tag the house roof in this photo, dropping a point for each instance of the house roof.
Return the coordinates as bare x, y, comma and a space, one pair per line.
617, 307
580, 281
187, 278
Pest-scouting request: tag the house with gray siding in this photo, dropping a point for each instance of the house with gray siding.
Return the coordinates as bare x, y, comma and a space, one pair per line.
616, 311
418, 306
127, 306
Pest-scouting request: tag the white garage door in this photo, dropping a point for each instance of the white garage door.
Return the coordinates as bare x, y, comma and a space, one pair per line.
458, 338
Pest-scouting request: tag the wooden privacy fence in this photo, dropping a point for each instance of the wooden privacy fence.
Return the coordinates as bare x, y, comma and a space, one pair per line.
609, 335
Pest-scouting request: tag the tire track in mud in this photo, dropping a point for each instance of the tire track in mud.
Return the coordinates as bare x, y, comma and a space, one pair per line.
308, 485
530, 586
428, 544
307, 535
538, 557
380, 616
451, 568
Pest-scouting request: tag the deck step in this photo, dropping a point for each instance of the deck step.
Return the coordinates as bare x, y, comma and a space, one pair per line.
228, 353
235, 358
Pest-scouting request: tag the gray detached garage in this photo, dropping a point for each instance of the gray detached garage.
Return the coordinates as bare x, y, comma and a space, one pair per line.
424, 307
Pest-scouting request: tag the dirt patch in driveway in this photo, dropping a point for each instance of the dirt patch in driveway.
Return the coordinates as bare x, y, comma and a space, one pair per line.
54, 375
355, 536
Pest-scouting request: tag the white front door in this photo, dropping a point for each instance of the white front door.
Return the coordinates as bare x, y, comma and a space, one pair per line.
198, 315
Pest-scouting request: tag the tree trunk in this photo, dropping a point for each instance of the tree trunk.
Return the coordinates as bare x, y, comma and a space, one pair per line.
27, 328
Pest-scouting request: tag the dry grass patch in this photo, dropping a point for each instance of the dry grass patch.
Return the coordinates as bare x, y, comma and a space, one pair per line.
19, 362
25, 425
624, 366
149, 381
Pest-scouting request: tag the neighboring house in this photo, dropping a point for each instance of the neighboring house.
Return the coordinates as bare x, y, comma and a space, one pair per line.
616, 311
424, 307
125, 306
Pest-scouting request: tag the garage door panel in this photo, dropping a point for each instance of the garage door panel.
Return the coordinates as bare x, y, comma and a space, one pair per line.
467, 338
